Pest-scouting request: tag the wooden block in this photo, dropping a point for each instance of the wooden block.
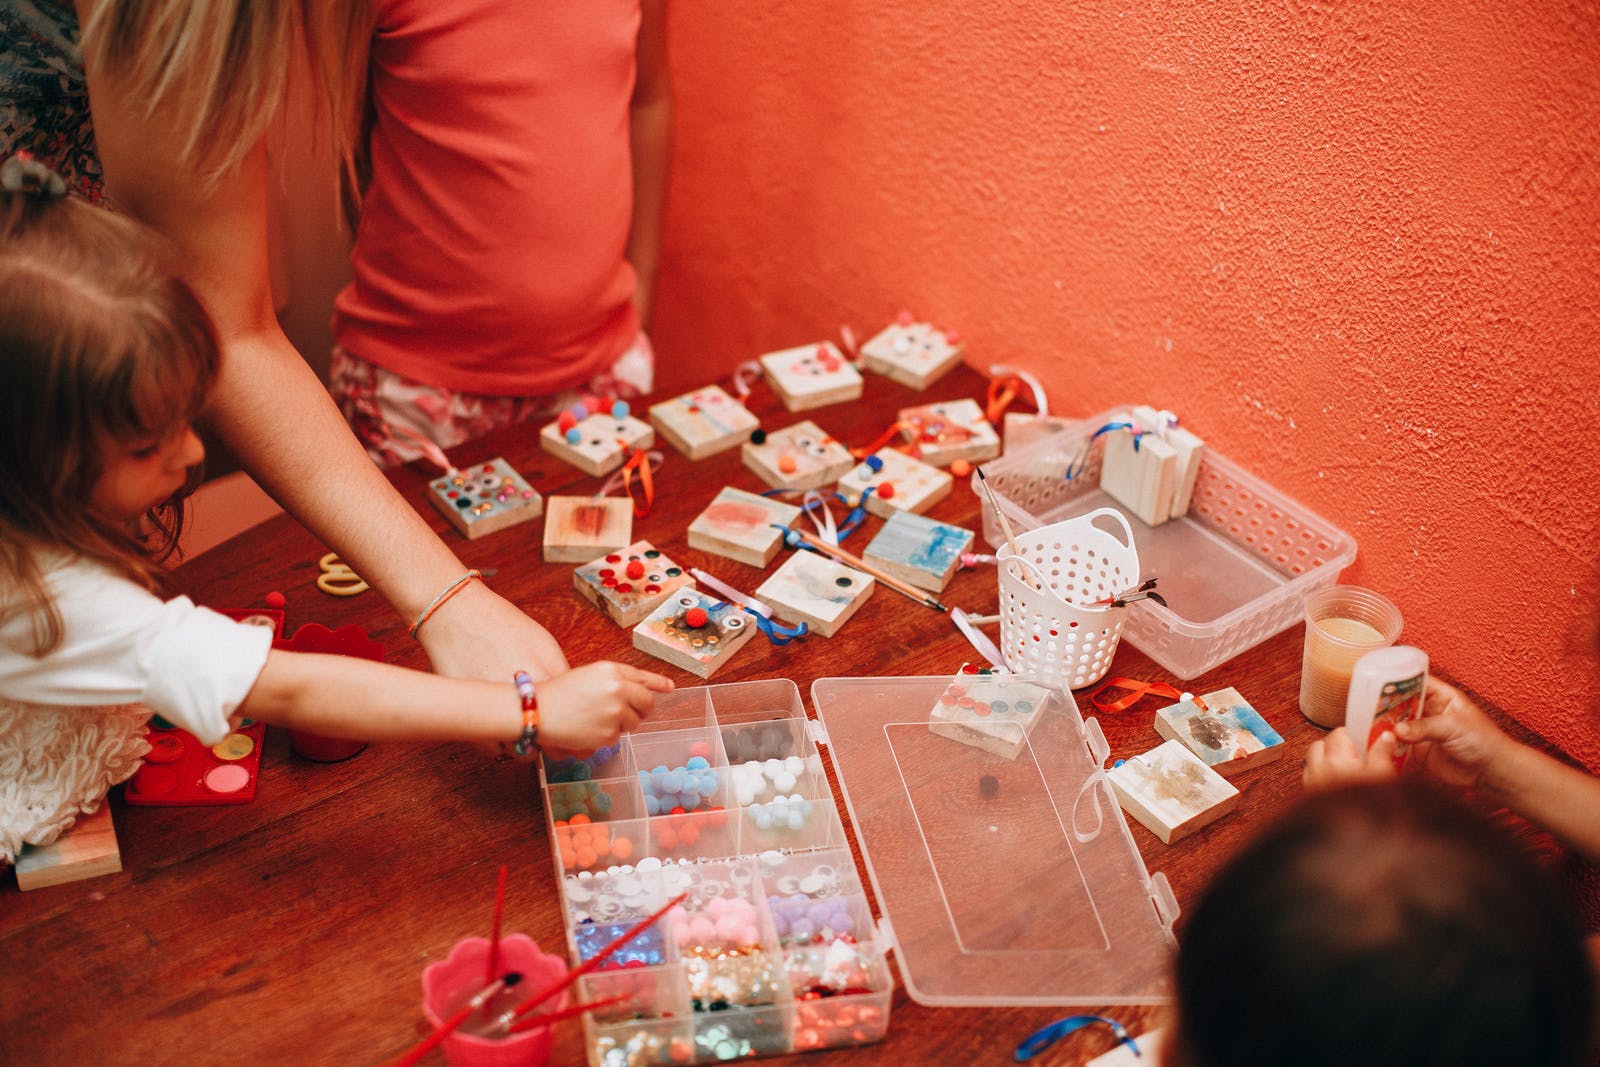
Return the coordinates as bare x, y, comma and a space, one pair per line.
915, 354
1171, 791
811, 376
630, 584
992, 712
1229, 736
918, 550
1140, 479
704, 422
87, 850
579, 528
801, 456
899, 484
670, 632
1189, 449
951, 430
818, 591
481, 499
741, 526
597, 444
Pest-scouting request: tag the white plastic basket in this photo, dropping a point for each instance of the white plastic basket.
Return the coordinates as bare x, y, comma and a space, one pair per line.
1048, 624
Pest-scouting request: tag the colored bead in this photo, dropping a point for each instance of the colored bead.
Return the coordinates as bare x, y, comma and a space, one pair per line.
787, 464
275, 599
961, 468
635, 569
620, 409
885, 490
696, 617
573, 436
874, 463
758, 436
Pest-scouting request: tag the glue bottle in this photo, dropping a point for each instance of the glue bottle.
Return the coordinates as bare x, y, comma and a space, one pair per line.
1386, 688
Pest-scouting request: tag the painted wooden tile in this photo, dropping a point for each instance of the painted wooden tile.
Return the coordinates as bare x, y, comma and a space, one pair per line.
1171, 791
912, 353
87, 850
801, 456
1142, 478
596, 444
950, 430
1228, 735
741, 526
811, 376
703, 422
578, 528
630, 584
899, 483
818, 591
486, 497
918, 550
694, 631
992, 712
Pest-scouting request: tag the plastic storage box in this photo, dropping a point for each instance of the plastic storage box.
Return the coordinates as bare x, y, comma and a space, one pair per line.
1234, 571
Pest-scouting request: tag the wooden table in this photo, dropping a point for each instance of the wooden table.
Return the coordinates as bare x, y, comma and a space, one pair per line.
295, 928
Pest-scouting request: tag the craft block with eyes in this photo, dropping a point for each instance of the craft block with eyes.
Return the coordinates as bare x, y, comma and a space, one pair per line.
596, 443
694, 631
948, 431
578, 528
1228, 735
811, 376
918, 550
481, 499
816, 590
912, 353
797, 457
898, 483
992, 712
704, 422
1171, 791
630, 584
742, 526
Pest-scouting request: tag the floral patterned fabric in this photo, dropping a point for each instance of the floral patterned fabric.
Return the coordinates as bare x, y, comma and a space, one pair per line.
44, 102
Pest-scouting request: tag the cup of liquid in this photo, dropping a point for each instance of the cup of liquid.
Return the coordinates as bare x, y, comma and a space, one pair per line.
481, 1041
1343, 623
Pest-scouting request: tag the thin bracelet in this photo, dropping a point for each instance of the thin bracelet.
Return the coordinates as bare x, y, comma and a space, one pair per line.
449, 591
528, 743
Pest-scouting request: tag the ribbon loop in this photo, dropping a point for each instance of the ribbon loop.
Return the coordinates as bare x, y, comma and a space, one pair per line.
1135, 692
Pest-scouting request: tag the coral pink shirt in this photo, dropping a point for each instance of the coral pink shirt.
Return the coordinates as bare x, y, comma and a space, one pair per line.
490, 253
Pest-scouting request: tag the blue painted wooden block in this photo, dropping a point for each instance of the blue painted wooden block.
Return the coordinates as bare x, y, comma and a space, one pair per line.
919, 550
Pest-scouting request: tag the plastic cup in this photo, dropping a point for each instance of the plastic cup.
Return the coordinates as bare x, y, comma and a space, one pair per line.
1343, 623
448, 985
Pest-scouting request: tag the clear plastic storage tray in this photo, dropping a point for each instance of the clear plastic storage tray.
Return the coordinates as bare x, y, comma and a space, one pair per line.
720, 794
1234, 571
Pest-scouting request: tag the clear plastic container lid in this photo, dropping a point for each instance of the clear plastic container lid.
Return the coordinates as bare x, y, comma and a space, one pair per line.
1002, 879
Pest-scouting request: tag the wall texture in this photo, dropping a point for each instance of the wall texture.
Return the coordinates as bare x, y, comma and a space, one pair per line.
1356, 245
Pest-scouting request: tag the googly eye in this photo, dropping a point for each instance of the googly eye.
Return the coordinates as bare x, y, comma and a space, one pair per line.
735, 622
688, 602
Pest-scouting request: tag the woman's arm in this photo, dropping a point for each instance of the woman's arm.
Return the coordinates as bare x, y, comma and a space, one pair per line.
649, 130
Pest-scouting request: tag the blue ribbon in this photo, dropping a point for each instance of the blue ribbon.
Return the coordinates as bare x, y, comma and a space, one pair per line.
778, 633
1043, 1039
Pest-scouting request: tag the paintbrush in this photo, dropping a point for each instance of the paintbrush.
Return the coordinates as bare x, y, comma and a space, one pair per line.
494, 933
535, 1022
903, 588
1005, 524
450, 1025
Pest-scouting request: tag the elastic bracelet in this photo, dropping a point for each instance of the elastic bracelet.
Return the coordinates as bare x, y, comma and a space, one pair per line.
528, 743
449, 591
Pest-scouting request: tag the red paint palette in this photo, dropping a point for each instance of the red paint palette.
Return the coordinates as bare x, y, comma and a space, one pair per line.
180, 771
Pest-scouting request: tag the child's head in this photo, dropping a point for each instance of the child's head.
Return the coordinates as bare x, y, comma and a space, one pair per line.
105, 357
1382, 924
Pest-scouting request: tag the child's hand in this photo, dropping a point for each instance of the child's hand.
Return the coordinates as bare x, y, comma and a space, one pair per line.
589, 707
1334, 761
1453, 741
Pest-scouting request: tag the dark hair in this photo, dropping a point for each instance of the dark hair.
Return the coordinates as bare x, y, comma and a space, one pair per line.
1383, 925
101, 344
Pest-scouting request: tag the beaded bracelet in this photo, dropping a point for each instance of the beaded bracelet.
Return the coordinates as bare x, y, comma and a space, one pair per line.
449, 591
528, 743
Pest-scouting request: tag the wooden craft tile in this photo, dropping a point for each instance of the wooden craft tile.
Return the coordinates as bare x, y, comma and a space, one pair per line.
87, 850
801, 456
741, 526
1171, 791
915, 354
597, 444
818, 591
992, 712
578, 528
704, 422
1229, 736
1188, 448
918, 550
811, 376
694, 631
486, 497
630, 584
900, 484
950, 430
1140, 479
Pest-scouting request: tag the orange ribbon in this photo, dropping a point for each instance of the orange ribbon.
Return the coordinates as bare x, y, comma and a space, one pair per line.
639, 461
1136, 691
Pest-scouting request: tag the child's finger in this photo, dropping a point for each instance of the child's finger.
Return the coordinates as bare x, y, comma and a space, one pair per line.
1381, 754
659, 683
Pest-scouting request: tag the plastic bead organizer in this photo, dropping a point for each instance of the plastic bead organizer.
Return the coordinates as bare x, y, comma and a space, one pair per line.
721, 795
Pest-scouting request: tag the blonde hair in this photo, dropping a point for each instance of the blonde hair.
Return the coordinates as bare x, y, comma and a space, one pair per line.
101, 344
218, 69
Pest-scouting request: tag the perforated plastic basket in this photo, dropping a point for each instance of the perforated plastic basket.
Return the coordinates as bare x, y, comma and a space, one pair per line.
1234, 571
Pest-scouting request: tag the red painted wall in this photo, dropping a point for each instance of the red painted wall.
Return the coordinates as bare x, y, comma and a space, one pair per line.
1356, 245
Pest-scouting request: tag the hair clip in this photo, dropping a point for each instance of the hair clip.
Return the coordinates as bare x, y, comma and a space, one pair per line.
24, 174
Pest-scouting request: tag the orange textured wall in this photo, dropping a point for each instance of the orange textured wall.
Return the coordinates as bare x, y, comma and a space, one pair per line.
1356, 245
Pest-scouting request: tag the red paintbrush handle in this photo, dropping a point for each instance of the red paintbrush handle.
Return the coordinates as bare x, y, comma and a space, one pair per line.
536, 1022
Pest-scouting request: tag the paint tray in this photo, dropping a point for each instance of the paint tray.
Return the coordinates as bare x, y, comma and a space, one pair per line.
1235, 570
1001, 881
